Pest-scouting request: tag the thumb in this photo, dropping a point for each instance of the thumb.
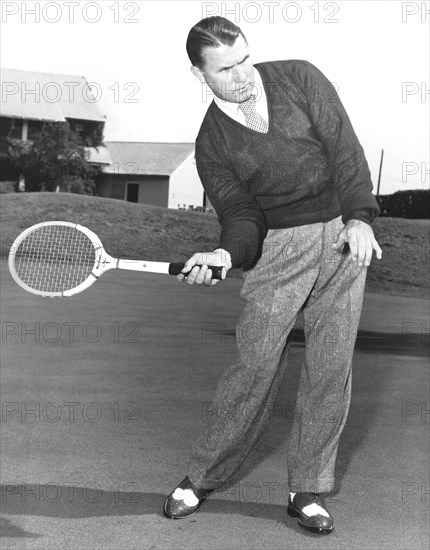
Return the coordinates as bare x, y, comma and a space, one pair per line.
341, 239
189, 264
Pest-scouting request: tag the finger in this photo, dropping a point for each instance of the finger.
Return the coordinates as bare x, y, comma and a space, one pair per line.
361, 249
200, 278
191, 262
369, 250
341, 239
208, 278
181, 277
192, 275
353, 247
376, 248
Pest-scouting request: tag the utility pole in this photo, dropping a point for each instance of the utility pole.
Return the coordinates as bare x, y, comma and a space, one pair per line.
380, 171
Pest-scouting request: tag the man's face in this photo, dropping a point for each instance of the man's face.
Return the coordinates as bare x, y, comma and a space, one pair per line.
228, 71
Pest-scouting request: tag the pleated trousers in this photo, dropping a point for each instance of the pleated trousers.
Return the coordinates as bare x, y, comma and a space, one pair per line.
298, 270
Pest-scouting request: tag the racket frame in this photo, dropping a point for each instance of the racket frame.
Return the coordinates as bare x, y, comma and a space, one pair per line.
103, 261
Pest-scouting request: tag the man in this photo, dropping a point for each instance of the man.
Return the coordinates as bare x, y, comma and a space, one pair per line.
284, 170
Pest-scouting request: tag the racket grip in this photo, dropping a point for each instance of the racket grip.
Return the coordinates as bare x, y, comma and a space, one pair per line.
176, 269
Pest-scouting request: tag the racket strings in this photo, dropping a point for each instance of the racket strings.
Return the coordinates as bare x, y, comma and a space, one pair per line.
54, 258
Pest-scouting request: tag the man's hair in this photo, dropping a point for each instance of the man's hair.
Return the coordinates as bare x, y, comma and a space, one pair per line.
210, 32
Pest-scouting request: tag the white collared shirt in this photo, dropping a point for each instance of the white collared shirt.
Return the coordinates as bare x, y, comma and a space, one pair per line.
232, 109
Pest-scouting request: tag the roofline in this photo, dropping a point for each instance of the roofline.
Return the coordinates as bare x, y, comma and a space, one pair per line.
41, 72
182, 163
163, 174
156, 142
100, 118
138, 174
51, 119
33, 118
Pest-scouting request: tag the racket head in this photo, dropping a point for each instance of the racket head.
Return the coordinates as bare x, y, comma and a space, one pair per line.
56, 259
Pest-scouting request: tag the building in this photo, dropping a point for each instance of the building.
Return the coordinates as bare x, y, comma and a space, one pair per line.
160, 174
29, 99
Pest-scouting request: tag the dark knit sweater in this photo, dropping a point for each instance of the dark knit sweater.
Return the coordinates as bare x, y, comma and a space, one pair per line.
308, 168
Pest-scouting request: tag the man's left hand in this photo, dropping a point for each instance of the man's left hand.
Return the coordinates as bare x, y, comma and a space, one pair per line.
361, 239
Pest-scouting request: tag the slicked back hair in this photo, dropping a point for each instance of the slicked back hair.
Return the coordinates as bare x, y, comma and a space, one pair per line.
210, 32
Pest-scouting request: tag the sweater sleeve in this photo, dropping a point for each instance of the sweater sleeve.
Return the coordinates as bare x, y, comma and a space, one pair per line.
365, 216
243, 226
346, 156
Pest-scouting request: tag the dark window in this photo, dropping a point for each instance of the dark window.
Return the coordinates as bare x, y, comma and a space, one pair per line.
34, 127
5, 126
15, 131
133, 192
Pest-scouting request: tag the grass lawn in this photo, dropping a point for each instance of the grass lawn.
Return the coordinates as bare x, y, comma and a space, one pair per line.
138, 231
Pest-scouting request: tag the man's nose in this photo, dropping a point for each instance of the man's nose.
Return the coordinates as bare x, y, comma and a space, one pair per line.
239, 74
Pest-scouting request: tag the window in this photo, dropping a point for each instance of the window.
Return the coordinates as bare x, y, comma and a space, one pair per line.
15, 131
34, 126
133, 192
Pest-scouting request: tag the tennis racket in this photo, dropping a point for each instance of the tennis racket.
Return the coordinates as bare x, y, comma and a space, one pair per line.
63, 259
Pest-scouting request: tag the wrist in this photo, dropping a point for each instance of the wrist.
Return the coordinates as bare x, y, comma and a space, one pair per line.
355, 221
363, 215
225, 257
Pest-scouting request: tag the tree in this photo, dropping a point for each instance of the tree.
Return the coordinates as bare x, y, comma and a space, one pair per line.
54, 159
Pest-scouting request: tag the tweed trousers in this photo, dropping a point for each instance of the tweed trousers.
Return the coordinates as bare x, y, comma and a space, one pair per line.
298, 270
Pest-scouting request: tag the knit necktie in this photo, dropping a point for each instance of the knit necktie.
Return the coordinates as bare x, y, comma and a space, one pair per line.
252, 118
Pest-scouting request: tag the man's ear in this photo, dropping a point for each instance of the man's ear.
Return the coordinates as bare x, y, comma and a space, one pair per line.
198, 74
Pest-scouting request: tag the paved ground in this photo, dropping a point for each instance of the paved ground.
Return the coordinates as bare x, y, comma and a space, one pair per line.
102, 395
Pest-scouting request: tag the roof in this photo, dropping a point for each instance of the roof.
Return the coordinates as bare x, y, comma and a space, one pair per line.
146, 158
47, 96
99, 155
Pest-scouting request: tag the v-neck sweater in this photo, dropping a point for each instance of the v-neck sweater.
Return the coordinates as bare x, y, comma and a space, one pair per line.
308, 168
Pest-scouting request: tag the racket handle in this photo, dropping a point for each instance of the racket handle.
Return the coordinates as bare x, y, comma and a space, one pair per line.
176, 269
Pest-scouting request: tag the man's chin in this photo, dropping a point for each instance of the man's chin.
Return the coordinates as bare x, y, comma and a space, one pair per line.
241, 96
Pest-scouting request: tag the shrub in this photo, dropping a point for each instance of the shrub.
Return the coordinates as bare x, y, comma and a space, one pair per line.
7, 187
412, 204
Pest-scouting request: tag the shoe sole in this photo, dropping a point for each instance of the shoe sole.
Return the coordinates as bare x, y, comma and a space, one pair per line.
181, 517
168, 516
319, 530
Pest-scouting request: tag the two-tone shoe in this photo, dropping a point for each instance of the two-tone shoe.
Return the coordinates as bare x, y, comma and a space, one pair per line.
311, 511
184, 501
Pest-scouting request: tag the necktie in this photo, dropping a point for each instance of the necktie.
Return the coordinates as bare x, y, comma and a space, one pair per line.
252, 118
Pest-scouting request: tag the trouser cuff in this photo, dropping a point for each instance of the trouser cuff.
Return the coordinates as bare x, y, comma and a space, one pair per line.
311, 486
202, 482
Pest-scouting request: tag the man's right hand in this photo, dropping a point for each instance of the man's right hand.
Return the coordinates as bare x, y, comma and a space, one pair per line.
203, 275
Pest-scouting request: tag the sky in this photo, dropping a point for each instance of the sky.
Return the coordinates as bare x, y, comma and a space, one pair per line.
376, 52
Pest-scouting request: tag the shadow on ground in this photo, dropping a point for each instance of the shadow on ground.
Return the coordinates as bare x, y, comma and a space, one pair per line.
363, 412
72, 502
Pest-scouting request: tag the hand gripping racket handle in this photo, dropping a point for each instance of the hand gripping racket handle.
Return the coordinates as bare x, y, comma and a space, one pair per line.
176, 269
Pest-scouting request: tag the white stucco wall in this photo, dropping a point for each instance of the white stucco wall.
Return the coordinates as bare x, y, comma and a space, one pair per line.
185, 185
